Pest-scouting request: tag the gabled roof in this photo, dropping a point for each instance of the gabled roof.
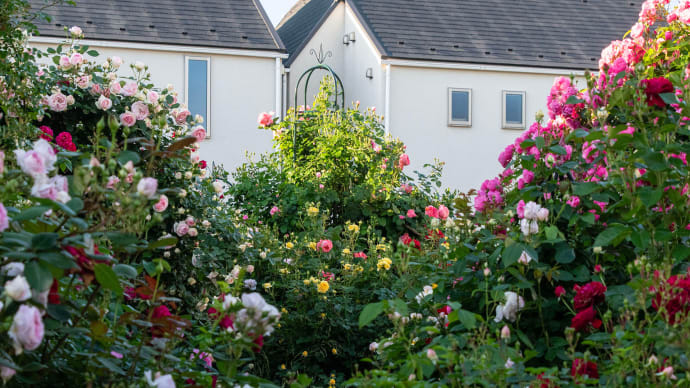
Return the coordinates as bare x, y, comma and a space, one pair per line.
301, 21
236, 24
568, 34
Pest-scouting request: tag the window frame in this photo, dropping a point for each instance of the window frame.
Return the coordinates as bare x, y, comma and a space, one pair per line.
207, 119
504, 123
460, 123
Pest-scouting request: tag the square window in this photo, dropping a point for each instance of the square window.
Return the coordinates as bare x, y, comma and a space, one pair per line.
513, 110
460, 107
198, 89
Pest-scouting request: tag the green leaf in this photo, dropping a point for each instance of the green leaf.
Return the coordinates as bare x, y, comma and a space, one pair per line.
163, 243
467, 319
511, 253
76, 204
107, 278
564, 253
612, 235
585, 188
58, 312
524, 339
573, 100
120, 239
44, 241
669, 98
126, 156
39, 278
655, 161
92, 53
649, 196
31, 213
125, 271
551, 232
56, 259
369, 313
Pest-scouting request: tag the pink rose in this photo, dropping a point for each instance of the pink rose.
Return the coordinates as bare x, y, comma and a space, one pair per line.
6, 373
406, 188
199, 133
104, 103
31, 162
116, 61
64, 62
57, 102
43, 189
193, 232
75, 31
190, 221
4, 220
130, 89
152, 97
76, 59
112, 181
181, 228
2, 162
140, 110
162, 204
443, 212
115, 88
521, 209
181, 116
573, 201
411, 214
265, 119
403, 161
627, 131
128, 119
83, 81
431, 211
147, 187
26, 331
274, 210
324, 245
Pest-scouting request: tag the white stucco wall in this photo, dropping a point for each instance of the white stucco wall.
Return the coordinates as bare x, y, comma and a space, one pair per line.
419, 117
241, 88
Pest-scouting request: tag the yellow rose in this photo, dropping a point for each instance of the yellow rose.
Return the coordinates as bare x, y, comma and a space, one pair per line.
332, 382
267, 285
346, 251
380, 247
307, 282
434, 285
323, 287
312, 245
334, 351
312, 211
347, 267
289, 245
305, 353
353, 228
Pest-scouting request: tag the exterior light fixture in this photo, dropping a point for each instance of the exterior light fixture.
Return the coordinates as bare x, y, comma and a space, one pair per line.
346, 40
370, 73
352, 37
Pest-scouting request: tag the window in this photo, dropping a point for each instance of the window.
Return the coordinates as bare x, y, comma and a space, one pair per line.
198, 88
513, 110
460, 107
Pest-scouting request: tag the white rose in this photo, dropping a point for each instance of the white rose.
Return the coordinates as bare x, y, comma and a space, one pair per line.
510, 308
18, 289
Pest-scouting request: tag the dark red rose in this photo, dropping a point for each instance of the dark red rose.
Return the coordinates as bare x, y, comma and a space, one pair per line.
53, 295
226, 322
590, 294
434, 234
161, 311
559, 291
655, 86
259, 343
585, 319
674, 296
544, 382
582, 367
202, 164
409, 241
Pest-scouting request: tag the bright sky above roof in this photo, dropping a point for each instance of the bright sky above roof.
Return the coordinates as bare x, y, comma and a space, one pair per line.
276, 9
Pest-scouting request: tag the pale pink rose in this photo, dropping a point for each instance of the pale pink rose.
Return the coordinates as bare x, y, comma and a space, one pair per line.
4, 220
83, 81
181, 116
26, 331
411, 214
6, 373
637, 30
147, 187
104, 103
129, 166
116, 61
543, 214
199, 133
76, 59
70, 100
164, 381
318, 174
43, 188
250, 268
321, 186
112, 181
2, 162
152, 97
140, 110
194, 157
403, 161
115, 87
18, 289
129, 178
75, 31
274, 210
46, 152
162, 204
181, 228
190, 221
443, 212
57, 102
31, 162
265, 119
193, 232
128, 119
130, 89
64, 62
406, 188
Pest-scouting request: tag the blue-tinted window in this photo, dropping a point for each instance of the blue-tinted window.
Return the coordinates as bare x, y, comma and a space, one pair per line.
460, 105
514, 108
197, 87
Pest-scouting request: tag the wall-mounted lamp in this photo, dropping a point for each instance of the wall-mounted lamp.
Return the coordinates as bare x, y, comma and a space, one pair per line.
346, 40
352, 37
370, 73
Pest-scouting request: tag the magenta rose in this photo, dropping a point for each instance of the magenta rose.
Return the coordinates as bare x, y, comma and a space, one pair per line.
128, 119
26, 331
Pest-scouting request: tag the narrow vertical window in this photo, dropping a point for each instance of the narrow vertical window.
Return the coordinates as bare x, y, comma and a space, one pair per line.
513, 110
460, 107
198, 89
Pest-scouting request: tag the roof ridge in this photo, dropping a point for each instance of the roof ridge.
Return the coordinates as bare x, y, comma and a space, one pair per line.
269, 25
292, 12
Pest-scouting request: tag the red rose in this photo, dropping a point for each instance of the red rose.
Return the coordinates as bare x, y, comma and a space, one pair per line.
53, 295
559, 291
544, 382
202, 164
582, 367
582, 320
655, 86
674, 297
590, 294
445, 309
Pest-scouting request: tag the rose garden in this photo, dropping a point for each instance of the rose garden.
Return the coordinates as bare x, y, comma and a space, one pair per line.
127, 261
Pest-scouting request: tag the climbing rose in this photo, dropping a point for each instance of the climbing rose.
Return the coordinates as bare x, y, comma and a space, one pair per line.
265, 119
403, 161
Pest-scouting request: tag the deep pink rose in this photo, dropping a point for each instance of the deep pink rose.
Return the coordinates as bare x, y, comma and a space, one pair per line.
26, 331
265, 119
403, 161
443, 212
4, 220
324, 245
411, 214
274, 210
162, 204
431, 211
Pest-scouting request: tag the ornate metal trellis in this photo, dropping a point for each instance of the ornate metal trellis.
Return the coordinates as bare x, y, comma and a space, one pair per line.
321, 57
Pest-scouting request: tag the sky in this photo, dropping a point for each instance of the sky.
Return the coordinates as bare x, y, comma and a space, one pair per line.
276, 9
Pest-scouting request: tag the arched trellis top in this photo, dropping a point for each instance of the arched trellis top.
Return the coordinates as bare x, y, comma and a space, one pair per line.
339, 96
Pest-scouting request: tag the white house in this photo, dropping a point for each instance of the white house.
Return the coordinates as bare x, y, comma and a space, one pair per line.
223, 57
455, 79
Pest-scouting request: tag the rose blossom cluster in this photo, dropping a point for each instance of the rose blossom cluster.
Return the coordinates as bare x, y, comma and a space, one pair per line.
186, 227
529, 213
490, 195
673, 296
37, 163
585, 299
